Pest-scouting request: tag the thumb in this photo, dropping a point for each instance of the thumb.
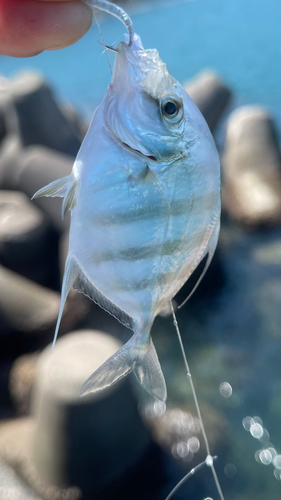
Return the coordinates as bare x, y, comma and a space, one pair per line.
27, 27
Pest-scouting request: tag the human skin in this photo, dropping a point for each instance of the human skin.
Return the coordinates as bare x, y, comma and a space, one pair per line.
27, 27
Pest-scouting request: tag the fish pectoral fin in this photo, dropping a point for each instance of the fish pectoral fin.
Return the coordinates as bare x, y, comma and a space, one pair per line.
69, 201
64, 187
55, 188
148, 371
113, 370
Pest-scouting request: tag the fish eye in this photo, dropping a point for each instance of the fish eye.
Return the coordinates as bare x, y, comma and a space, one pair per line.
172, 109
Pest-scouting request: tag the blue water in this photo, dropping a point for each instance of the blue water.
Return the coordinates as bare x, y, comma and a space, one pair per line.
240, 39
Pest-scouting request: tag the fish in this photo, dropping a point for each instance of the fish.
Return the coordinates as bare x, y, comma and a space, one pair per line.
144, 196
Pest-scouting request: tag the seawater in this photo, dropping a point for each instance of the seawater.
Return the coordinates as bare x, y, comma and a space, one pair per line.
240, 39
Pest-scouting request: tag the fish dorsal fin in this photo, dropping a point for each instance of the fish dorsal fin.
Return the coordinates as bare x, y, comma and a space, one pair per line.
63, 188
201, 270
83, 284
205, 261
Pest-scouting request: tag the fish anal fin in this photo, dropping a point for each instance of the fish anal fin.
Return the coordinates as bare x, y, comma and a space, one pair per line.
148, 371
84, 285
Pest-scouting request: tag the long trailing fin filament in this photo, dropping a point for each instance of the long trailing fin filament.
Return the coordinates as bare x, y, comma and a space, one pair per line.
209, 459
115, 11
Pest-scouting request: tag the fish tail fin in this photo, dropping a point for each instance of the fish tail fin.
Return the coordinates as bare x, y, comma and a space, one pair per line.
141, 359
114, 369
69, 278
62, 188
148, 371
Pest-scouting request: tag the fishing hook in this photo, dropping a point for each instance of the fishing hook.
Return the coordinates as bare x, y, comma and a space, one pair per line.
108, 47
115, 11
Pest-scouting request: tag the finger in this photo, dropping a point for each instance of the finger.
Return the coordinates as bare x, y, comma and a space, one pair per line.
27, 27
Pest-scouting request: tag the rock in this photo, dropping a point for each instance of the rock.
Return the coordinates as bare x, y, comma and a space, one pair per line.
251, 167
21, 381
27, 244
36, 117
10, 155
6, 406
78, 125
2, 123
210, 94
63, 251
87, 442
12, 486
2, 126
24, 306
30, 169
5, 102
31, 311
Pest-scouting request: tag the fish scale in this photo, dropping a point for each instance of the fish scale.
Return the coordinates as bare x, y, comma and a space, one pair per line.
144, 196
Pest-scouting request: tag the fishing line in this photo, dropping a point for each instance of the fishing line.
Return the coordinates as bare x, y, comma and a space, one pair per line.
103, 40
185, 478
209, 458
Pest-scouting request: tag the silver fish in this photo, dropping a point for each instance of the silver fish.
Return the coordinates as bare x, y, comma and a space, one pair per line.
144, 195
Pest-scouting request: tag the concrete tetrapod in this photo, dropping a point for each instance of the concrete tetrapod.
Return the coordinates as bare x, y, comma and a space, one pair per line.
87, 442
29, 169
27, 244
28, 313
210, 94
252, 168
33, 114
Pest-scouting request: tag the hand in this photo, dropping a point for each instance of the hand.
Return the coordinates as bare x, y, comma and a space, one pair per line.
27, 27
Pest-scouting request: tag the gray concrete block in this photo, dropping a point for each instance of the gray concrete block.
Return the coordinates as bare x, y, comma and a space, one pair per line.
27, 244
39, 119
32, 311
210, 94
2, 126
252, 168
31, 168
21, 381
24, 306
10, 156
88, 442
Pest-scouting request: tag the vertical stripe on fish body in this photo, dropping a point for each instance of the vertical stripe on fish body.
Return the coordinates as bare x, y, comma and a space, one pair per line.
144, 196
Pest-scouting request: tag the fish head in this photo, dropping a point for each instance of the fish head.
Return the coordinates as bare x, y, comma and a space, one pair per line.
147, 110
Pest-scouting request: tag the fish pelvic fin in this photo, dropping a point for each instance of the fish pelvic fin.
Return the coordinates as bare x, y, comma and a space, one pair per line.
62, 188
133, 356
